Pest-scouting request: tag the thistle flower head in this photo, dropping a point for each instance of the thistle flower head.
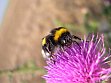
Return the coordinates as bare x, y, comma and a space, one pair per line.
83, 63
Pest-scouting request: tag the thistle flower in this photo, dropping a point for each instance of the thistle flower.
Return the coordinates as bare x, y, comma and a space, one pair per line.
83, 63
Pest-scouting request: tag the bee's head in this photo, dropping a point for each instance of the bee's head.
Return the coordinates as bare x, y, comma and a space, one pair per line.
65, 39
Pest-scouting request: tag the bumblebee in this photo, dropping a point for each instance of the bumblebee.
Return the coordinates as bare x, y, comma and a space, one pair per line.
58, 37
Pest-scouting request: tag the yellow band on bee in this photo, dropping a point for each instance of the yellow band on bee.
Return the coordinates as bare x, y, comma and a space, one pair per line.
44, 41
58, 33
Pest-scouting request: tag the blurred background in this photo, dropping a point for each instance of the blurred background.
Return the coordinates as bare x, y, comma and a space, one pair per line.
23, 23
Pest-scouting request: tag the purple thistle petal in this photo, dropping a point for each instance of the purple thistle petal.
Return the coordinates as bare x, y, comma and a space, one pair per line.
86, 63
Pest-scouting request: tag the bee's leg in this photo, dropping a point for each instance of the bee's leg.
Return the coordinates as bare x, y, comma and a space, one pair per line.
75, 37
61, 48
77, 44
52, 58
